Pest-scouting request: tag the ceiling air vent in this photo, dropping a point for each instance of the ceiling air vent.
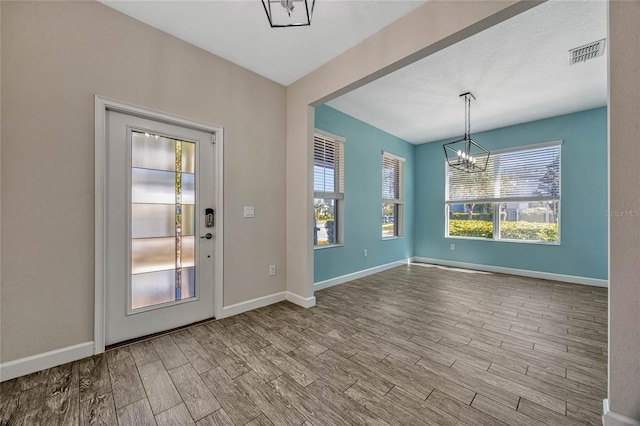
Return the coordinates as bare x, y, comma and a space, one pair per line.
586, 52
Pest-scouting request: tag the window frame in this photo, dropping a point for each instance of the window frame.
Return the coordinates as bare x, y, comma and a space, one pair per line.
496, 202
337, 196
398, 208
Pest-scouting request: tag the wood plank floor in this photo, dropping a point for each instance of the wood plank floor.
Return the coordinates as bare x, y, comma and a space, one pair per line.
415, 345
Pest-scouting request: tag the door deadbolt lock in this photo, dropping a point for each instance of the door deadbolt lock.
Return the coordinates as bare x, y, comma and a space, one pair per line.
208, 236
209, 217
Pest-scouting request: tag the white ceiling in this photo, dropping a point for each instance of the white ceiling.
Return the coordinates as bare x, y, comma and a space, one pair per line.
518, 71
238, 30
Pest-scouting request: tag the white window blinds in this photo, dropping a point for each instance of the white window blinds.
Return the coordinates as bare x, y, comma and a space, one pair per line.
328, 167
392, 178
530, 173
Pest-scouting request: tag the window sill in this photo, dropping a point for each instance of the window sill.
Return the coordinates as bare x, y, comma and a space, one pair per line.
393, 238
542, 243
326, 246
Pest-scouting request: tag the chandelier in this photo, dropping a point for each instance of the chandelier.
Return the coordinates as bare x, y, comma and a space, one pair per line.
465, 154
288, 13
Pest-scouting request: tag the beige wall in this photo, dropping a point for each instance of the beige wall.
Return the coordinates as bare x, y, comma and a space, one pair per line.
56, 56
624, 193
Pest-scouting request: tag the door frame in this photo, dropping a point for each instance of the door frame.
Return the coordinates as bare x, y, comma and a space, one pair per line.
102, 105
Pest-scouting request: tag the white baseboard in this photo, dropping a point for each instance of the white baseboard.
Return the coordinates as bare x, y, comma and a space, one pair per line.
252, 304
263, 301
20, 367
609, 418
355, 275
305, 302
31, 364
512, 271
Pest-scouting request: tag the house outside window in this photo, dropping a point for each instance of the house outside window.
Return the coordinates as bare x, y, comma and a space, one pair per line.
516, 199
328, 189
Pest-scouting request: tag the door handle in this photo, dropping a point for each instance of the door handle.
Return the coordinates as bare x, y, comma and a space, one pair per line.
208, 236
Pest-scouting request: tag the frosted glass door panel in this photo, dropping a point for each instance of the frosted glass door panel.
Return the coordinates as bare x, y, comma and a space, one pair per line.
188, 157
188, 188
153, 288
188, 283
153, 186
188, 219
162, 219
153, 220
152, 254
152, 152
188, 252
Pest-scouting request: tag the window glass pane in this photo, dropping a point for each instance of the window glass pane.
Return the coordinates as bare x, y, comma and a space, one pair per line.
188, 219
188, 188
152, 152
328, 165
152, 254
325, 223
188, 283
153, 288
188, 157
391, 175
388, 220
323, 179
188, 251
529, 173
521, 174
530, 221
471, 220
153, 220
153, 186
462, 186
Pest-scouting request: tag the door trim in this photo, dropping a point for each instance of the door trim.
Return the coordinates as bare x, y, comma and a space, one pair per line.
102, 105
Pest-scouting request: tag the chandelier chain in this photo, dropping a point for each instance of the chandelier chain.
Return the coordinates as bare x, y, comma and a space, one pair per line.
467, 116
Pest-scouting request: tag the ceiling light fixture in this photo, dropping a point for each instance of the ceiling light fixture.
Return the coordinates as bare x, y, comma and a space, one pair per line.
289, 13
465, 154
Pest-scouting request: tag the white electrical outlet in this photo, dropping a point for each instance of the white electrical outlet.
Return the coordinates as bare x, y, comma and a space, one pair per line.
452, 246
249, 211
364, 253
272, 269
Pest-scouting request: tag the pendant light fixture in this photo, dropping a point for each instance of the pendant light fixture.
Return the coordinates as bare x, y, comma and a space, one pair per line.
288, 13
465, 154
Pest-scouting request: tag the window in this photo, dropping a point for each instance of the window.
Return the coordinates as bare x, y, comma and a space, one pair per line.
516, 199
392, 195
328, 189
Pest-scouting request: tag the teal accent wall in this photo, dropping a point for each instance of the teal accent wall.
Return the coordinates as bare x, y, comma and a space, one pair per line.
363, 198
583, 220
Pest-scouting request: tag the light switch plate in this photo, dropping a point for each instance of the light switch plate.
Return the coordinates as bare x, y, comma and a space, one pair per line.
249, 211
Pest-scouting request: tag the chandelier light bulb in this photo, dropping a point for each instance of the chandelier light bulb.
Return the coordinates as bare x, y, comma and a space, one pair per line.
288, 5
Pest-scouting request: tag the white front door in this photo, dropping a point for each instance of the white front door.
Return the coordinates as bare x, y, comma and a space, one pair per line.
160, 230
